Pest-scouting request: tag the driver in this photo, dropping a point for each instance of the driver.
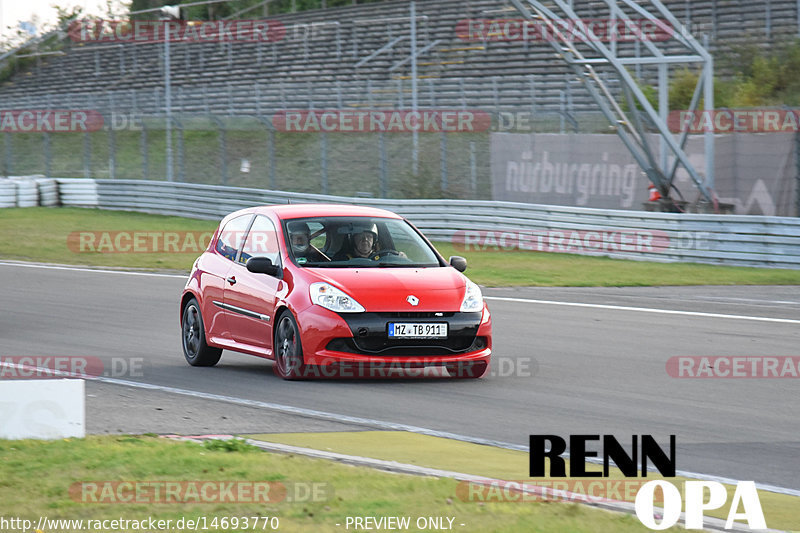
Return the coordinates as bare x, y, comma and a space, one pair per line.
363, 242
300, 240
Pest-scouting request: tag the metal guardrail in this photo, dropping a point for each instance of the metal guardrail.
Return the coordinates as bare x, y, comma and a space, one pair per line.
744, 240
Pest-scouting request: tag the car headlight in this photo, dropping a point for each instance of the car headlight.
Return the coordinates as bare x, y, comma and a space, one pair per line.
329, 297
473, 299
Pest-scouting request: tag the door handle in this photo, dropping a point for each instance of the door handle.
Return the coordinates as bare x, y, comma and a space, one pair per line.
231, 280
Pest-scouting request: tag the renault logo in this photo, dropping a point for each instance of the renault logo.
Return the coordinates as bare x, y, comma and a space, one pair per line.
413, 300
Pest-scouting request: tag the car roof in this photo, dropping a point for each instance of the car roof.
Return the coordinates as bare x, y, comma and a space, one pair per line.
291, 211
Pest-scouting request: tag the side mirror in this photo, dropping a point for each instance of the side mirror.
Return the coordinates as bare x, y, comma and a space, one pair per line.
262, 265
458, 262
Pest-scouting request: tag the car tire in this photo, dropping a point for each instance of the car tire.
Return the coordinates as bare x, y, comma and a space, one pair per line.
288, 349
468, 370
193, 337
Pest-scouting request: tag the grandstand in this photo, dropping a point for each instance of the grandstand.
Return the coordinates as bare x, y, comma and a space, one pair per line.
223, 96
325, 61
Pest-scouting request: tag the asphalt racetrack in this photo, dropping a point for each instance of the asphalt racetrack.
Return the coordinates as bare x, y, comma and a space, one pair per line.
566, 361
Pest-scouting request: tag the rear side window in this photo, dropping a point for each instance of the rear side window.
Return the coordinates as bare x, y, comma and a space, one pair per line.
262, 241
231, 236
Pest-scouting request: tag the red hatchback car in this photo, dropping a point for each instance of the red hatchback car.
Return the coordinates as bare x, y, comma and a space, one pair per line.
333, 290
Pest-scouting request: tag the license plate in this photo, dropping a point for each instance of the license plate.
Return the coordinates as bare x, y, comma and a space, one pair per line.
411, 330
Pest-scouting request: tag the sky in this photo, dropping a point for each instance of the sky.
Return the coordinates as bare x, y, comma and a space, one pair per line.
14, 11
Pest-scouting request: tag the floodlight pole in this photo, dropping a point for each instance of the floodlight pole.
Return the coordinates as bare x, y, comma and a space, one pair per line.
708, 105
414, 102
168, 99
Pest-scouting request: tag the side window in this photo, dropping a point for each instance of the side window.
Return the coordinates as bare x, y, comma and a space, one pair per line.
262, 241
230, 238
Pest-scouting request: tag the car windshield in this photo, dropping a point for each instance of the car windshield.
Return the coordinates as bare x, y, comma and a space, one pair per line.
371, 242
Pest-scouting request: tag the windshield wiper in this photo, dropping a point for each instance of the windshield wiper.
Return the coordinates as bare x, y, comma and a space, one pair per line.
326, 265
368, 265
404, 265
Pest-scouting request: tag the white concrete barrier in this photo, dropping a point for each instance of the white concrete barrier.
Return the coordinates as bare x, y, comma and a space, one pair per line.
8, 193
48, 191
42, 409
27, 191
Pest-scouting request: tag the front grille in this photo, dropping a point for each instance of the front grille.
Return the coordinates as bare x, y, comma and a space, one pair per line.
416, 314
421, 347
370, 334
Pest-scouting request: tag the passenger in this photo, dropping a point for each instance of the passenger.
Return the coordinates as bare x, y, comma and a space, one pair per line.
300, 240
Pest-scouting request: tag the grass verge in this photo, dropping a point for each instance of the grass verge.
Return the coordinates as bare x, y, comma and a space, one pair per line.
780, 510
42, 234
36, 478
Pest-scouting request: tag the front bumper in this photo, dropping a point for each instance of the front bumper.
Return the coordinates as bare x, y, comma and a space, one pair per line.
330, 338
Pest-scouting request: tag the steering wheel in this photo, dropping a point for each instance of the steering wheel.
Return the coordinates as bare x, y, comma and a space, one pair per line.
386, 251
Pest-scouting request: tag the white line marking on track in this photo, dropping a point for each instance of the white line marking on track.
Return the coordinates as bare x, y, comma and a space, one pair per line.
754, 301
496, 298
89, 269
381, 424
644, 310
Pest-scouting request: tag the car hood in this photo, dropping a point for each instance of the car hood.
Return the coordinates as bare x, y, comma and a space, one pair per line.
388, 289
